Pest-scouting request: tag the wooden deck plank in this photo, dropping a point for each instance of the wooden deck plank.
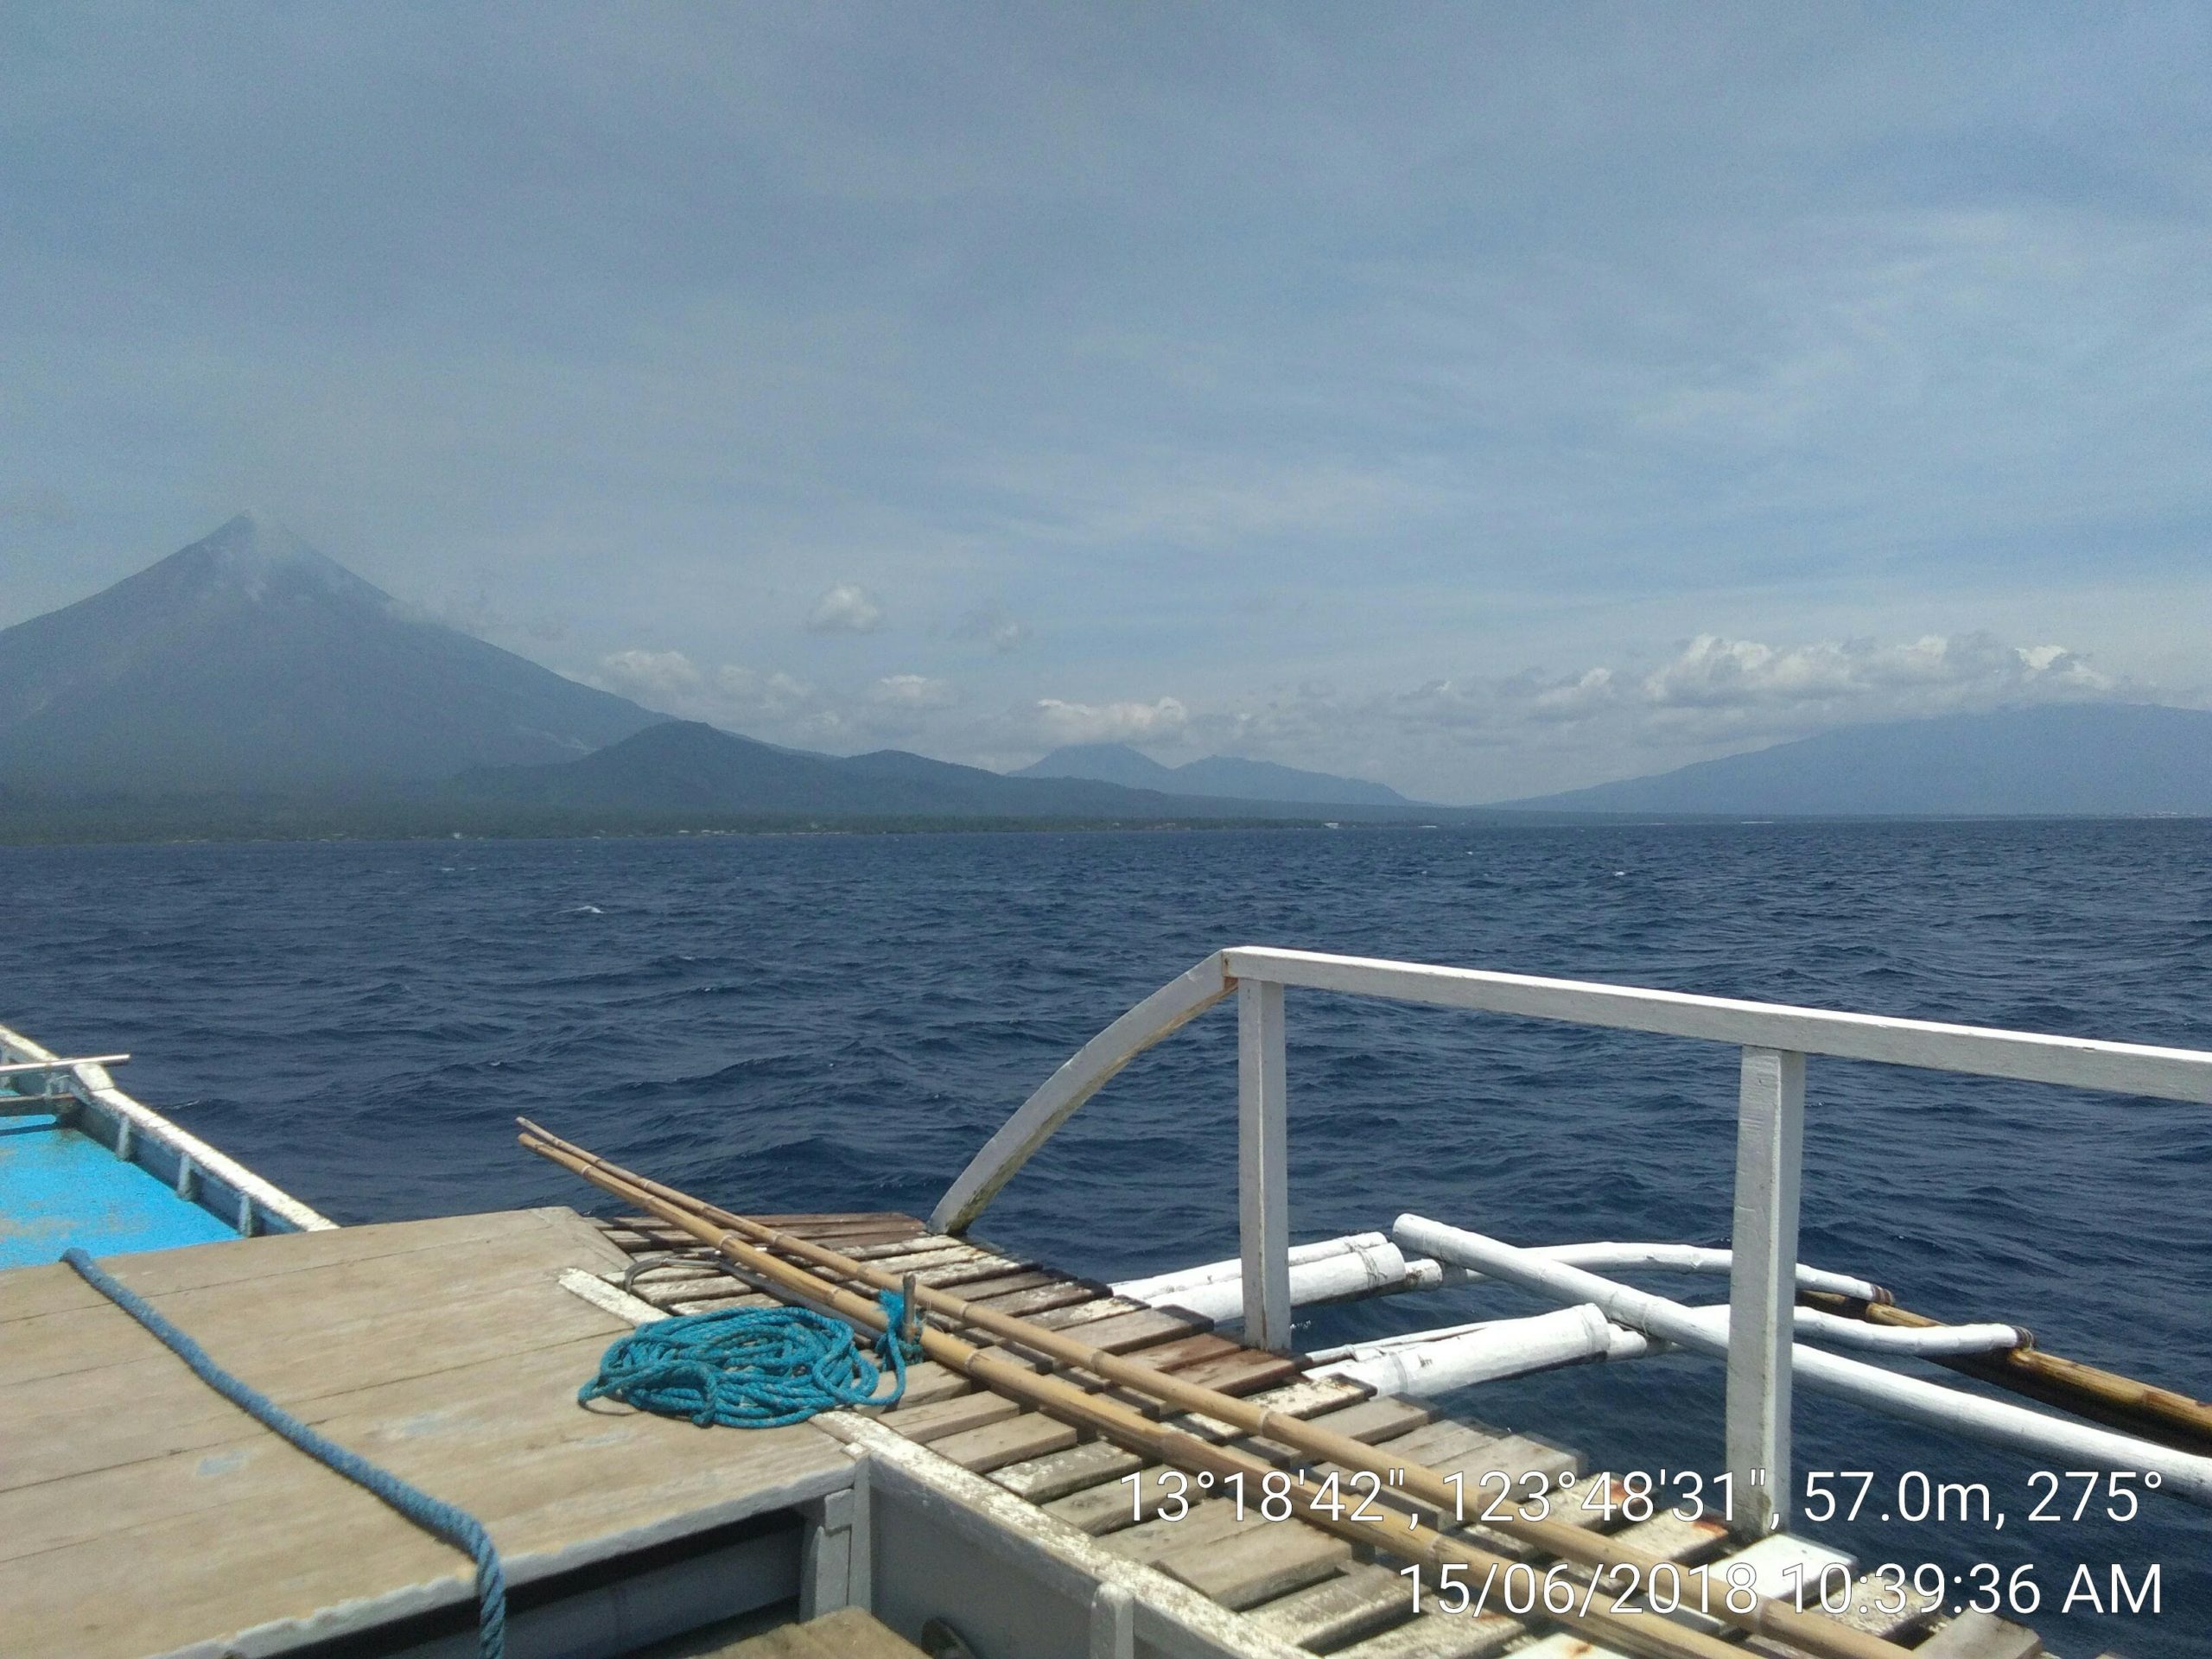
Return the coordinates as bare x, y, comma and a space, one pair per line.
1031, 1435
1042, 1479
1040, 1299
1243, 1372
1006, 1284
1123, 1333
1257, 1562
953, 1416
1360, 1601
1445, 1635
1071, 1315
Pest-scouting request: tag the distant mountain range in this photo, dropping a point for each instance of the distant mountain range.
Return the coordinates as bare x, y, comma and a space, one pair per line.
684, 766
1217, 775
246, 685
249, 662
2056, 760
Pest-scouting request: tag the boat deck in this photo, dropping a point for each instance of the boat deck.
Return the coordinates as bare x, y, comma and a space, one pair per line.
1291, 1586
141, 1514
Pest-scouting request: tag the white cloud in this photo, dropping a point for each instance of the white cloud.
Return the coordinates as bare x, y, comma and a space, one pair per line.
913, 691
1057, 722
846, 608
753, 694
663, 678
1926, 675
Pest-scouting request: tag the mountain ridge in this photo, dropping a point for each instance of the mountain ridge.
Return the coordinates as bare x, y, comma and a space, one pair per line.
691, 765
1215, 776
247, 660
2026, 761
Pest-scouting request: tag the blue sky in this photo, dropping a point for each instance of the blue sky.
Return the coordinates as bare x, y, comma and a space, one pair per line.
1488, 399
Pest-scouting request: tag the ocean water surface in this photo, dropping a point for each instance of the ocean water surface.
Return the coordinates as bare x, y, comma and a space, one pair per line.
838, 1022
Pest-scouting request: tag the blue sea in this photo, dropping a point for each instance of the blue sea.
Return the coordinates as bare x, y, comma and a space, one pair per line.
838, 1022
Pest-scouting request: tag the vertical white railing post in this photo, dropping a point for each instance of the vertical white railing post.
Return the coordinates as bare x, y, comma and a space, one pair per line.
1762, 1285
1263, 1179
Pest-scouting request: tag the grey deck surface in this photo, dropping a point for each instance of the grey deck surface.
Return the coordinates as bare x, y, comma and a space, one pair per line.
141, 1513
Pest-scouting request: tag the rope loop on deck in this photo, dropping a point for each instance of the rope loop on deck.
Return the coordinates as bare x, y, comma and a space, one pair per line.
752, 1367
456, 1526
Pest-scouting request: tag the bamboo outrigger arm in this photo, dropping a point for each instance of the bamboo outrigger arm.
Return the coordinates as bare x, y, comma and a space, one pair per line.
1407, 1537
2102, 1397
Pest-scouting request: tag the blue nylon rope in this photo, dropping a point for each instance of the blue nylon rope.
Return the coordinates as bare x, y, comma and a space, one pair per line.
752, 1367
456, 1526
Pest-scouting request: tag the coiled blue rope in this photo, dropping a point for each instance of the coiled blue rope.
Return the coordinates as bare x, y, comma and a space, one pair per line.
752, 1367
456, 1526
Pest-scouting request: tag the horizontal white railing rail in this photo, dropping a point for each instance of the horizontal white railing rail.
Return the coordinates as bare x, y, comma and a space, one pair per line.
1773, 1037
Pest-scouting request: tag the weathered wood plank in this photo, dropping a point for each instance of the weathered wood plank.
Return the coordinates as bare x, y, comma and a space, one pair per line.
1256, 1562
953, 1416
1124, 1332
1448, 1635
1031, 1435
1241, 1373
1361, 1600
1042, 1479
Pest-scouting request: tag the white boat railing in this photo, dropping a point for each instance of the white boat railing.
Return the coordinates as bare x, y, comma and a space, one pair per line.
1774, 1039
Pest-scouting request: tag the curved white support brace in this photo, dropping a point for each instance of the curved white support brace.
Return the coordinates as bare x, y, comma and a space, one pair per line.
2187, 1475
1166, 1011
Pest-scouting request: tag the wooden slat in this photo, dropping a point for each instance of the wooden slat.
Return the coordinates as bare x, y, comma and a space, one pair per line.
1091, 1464
1445, 1635
980, 1269
1257, 1562
1358, 1602
1112, 1504
1241, 1373
1123, 1333
914, 1244
1201, 1344
953, 1416
1031, 1435
1071, 1315
1041, 1299
1006, 1284
1204, 1521
928, 1383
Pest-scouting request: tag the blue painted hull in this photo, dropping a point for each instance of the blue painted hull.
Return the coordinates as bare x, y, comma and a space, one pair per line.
60, 1188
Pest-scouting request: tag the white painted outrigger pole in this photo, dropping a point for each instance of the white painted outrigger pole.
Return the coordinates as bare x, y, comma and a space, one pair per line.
2185, 1475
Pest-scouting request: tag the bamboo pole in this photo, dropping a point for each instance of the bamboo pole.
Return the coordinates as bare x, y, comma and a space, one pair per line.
1416, 1540
2087, 1391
